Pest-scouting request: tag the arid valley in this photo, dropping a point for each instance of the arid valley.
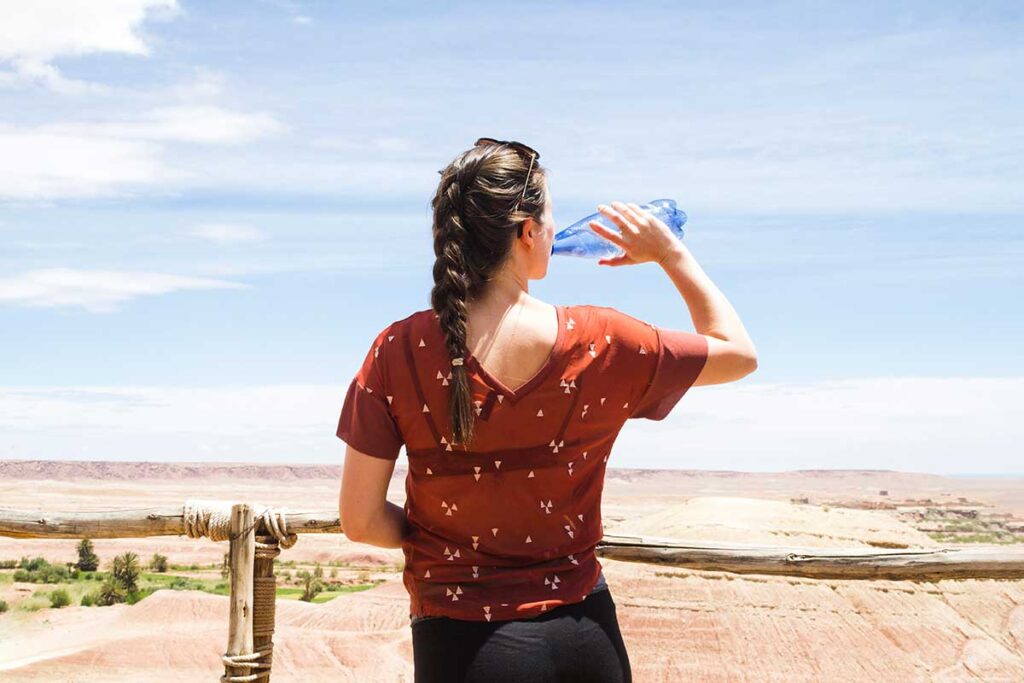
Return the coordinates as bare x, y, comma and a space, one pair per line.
679, 624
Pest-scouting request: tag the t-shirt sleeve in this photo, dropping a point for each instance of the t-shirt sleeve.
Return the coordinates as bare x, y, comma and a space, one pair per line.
678, 361
660, 365
367, 423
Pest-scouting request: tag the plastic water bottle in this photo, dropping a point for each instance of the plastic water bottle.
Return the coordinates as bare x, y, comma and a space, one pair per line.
580, 240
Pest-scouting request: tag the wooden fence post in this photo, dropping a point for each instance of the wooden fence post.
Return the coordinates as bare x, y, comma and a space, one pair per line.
265, 599
242, 555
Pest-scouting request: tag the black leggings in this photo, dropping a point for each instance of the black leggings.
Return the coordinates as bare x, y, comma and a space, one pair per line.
577, 642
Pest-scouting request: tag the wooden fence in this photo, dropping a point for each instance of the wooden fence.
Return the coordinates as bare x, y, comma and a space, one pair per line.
256, 535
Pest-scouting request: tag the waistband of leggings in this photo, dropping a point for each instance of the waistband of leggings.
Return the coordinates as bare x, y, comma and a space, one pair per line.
417, 619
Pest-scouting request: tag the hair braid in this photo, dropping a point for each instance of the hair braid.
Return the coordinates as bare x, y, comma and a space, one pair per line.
476, 212
448, 298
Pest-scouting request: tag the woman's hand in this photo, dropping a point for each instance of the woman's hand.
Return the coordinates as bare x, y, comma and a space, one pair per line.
642, 236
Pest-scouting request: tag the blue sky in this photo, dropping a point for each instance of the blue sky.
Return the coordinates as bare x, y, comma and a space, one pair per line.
207, 210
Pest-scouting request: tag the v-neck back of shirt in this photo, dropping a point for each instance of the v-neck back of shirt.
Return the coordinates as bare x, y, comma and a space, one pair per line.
538, 376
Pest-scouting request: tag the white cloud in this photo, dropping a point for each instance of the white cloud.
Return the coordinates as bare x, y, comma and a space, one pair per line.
47, 76
34, 33
204, 83
89, 159
938, 425
36, 163
98, 291
226, 233
264, 422
205, 124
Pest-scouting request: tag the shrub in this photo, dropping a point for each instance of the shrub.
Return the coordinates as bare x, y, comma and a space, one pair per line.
48, 575
60, 598
87, 559
136, 596
88, 600
158, 563
3, 606
39, 570
34, 564
54, 574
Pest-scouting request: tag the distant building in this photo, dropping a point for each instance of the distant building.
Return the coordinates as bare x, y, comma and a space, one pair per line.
884, 492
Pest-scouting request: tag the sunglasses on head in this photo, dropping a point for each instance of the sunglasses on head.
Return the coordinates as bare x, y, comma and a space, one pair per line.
519, 147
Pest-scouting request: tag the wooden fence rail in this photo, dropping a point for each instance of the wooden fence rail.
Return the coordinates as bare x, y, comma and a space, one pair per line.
924, 564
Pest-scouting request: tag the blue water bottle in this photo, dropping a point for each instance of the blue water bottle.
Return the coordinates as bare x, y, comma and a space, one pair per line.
580, 240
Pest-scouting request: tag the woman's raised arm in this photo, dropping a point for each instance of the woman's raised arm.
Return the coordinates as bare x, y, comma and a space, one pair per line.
644, 238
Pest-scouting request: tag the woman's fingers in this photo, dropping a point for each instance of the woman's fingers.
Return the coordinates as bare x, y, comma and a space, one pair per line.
638, 214
618, 260
616, 217
633, 218
609, 235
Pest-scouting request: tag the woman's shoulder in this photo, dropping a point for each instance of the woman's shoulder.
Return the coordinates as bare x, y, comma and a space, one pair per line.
607, 317
416, 319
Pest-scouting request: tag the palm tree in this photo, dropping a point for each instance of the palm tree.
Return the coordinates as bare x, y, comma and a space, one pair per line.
126, 571
87, 560
311, 585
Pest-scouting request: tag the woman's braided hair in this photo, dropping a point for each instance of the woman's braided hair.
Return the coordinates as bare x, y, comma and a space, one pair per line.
479, 209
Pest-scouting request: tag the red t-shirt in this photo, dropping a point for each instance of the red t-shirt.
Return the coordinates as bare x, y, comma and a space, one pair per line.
507, 529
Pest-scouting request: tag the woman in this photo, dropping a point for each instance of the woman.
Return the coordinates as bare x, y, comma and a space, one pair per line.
508, 407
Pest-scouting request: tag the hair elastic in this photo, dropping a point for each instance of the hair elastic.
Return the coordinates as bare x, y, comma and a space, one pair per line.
456, 361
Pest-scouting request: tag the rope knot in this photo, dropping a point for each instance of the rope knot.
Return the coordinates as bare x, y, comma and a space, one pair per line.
212, 519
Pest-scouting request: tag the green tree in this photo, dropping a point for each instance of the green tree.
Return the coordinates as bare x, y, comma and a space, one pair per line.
311, 585
126, 571
110, 592
158, 563
87, 559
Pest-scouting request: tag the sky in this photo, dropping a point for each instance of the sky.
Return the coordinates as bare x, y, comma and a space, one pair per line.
208, 211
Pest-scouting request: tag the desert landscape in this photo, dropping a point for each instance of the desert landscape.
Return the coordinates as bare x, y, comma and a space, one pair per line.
679, 624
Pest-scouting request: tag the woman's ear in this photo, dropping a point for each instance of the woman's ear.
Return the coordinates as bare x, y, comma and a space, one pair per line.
526, 226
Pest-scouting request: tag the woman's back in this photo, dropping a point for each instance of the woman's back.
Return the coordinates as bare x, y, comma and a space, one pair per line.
507, 528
